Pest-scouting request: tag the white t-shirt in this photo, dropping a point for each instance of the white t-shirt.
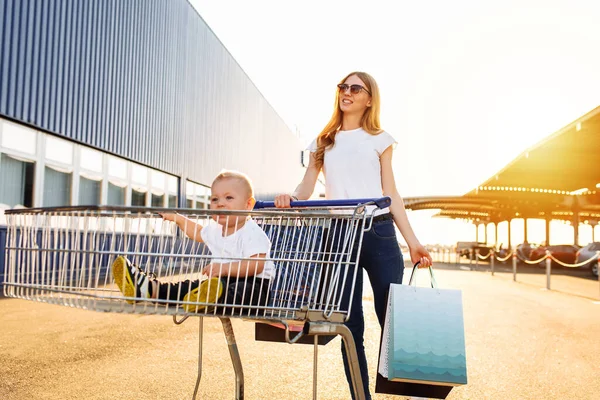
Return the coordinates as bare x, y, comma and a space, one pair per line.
247, 241
352, 167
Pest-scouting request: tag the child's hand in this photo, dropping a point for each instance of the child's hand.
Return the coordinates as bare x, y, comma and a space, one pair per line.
168, 216
214, 270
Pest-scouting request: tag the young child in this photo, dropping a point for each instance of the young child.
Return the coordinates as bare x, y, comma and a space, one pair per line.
230, 238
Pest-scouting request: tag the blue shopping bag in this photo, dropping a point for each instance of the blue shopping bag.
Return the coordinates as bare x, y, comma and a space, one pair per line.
423, 341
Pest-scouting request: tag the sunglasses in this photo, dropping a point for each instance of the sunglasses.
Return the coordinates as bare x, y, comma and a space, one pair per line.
354, 89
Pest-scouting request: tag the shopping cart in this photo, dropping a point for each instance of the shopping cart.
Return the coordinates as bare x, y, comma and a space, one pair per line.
64, 256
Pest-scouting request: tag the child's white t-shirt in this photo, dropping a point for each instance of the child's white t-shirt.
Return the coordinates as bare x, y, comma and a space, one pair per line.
247, 241
352, 167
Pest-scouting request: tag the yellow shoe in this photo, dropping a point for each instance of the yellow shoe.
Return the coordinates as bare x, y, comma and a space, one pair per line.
131, 280
209, 291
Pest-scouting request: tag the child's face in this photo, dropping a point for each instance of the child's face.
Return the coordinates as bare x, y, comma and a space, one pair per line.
229, 194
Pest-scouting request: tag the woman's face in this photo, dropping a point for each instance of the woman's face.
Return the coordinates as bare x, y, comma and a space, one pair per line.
354, 103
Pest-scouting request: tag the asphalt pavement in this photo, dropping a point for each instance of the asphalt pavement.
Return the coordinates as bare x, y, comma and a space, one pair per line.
522, 343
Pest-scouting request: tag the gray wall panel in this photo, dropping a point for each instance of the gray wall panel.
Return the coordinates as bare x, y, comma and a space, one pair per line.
143, 79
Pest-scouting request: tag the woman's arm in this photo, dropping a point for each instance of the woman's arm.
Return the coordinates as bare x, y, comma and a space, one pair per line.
305, 189
237, 269
189, 227
388, 183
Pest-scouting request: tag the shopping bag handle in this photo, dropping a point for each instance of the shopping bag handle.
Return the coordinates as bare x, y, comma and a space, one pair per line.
413, 276
382, 202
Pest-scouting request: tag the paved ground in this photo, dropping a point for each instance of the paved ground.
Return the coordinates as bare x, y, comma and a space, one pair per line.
576, 282
522, 343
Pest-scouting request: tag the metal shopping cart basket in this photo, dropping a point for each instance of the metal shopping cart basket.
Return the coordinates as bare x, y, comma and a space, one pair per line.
65, 256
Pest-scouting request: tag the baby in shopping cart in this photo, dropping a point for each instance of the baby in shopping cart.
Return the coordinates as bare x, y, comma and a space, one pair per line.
239, 273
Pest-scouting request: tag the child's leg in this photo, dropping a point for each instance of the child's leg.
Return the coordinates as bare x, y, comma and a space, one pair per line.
208, 291
175, 291
246, 292
229, 293
131, 280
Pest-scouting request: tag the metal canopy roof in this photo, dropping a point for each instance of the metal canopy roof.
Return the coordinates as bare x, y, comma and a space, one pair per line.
558, 178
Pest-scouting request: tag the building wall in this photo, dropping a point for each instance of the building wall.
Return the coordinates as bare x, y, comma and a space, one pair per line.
146, 80
127, 102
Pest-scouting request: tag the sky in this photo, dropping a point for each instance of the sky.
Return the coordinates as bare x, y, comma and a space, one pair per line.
466, 86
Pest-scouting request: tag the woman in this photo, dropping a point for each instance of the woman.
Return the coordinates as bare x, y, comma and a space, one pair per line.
355, 155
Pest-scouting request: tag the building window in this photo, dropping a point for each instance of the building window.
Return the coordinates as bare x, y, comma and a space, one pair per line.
158, 182
138, 198
199, 204
17, 181
18, 138
139, 174
116, 195
189, 194
172, 188
76, 174
158, 200
117, 168
202, 197
91, 160
59, 150
57, 187
197, 196
89, 191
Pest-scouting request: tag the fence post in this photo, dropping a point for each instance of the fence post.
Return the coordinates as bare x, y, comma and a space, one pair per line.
470, 257
476, 258
548, 269
514, 259
493, 256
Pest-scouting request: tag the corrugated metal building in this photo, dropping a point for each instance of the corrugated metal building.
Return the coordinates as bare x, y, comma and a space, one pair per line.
128, 102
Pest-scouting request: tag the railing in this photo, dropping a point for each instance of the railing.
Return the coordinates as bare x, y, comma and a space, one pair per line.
548, 257
444, 255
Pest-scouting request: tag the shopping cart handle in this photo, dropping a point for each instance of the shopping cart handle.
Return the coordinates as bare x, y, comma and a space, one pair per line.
382, 202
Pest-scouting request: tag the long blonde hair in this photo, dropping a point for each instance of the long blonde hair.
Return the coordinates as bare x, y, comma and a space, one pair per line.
369, 122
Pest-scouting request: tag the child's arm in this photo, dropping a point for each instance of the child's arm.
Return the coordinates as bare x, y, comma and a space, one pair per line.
237, 268
191, 229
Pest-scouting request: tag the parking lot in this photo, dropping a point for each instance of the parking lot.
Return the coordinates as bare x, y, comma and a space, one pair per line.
522, 343
574, 281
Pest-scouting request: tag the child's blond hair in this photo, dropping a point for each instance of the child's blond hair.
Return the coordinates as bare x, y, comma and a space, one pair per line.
242, 178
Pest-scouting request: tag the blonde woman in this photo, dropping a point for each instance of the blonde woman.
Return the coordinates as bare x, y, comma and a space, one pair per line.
355, 155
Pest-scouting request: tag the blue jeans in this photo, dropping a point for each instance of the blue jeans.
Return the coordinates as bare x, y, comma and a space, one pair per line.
381, 257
